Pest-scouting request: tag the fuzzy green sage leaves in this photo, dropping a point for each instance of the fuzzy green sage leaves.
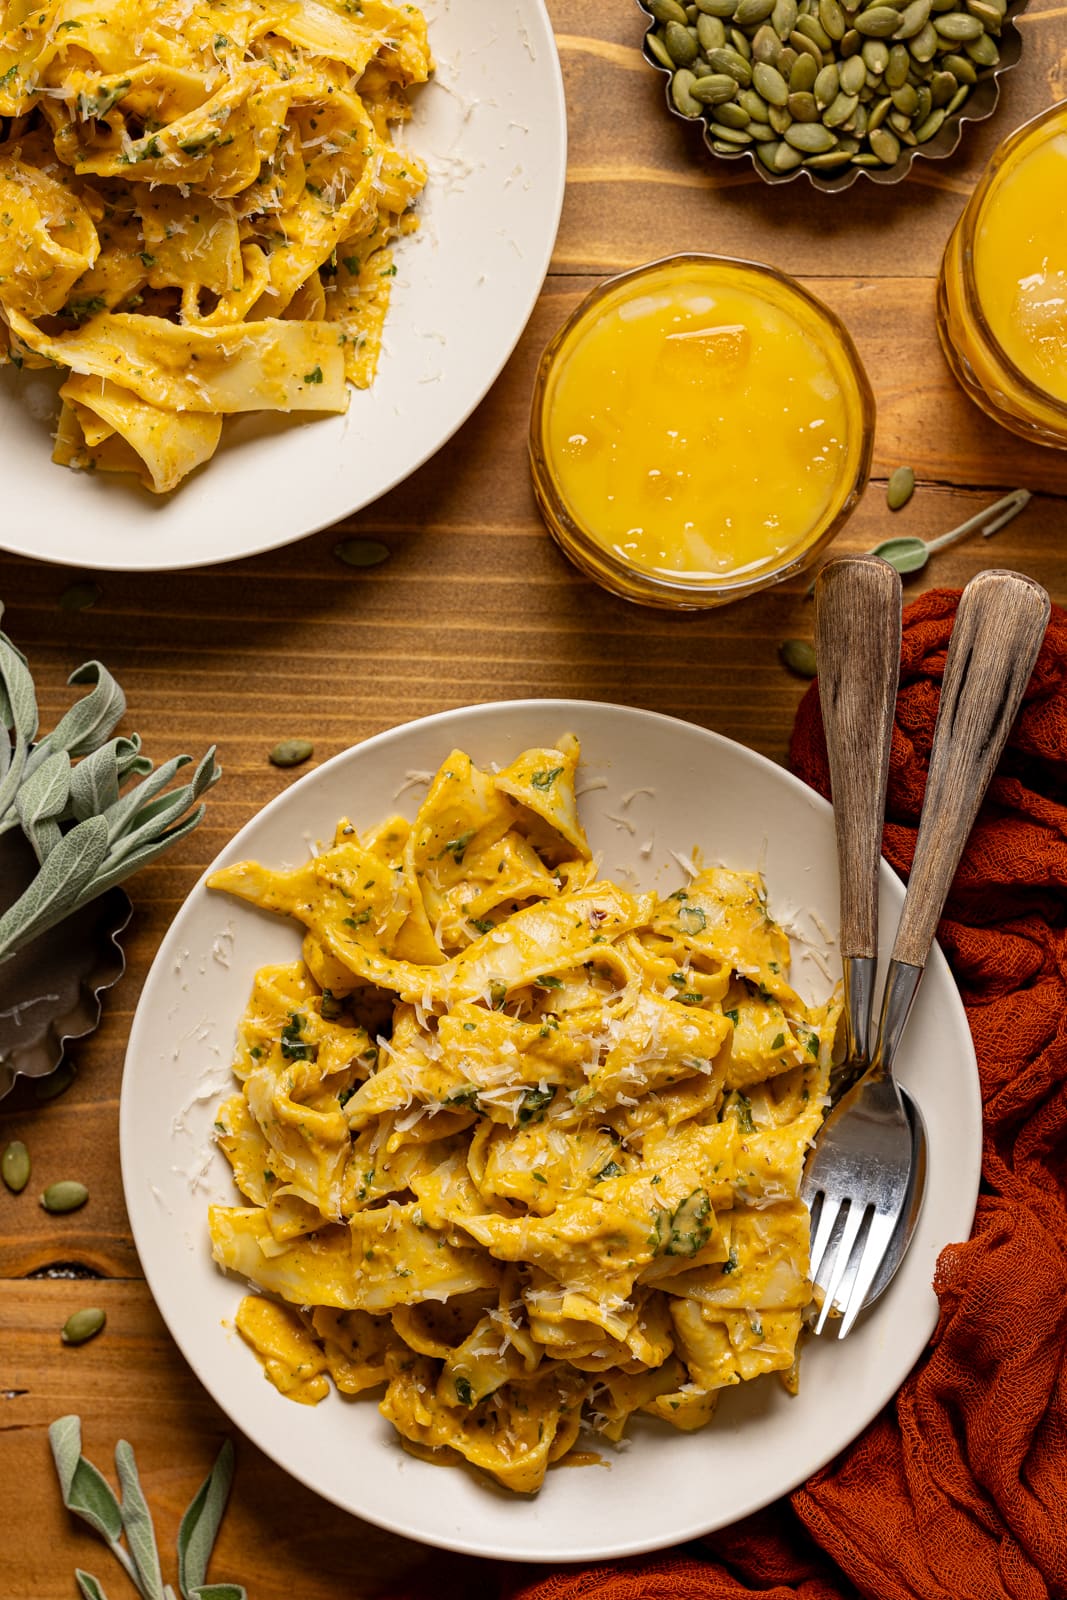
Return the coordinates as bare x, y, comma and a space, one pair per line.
87, 1493
65, 790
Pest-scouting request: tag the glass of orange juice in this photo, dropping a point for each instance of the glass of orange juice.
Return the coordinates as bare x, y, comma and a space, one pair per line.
701, 428
1002, 294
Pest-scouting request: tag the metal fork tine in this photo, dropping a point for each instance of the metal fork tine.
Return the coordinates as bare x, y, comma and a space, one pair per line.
849, 1235
828, 1215
878, 1237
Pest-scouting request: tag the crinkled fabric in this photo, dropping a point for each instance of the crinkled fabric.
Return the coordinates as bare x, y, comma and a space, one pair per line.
958, 1490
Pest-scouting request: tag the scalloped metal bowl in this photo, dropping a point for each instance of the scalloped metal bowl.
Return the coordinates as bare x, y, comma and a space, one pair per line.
50, 991
980, 104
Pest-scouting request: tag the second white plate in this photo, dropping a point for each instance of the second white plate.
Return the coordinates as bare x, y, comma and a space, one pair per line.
492, 128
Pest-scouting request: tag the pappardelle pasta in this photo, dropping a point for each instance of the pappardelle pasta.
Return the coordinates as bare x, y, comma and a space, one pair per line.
197, 202
517, 1142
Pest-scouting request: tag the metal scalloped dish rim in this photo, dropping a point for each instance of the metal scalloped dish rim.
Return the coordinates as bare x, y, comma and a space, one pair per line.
978, 107
44, 1047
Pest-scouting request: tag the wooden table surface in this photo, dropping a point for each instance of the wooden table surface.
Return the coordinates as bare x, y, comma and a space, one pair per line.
473, 604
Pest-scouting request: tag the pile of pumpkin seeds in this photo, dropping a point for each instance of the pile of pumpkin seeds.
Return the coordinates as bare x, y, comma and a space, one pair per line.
823, 83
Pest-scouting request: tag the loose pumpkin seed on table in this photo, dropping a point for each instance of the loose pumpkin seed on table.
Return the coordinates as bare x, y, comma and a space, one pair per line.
823, 84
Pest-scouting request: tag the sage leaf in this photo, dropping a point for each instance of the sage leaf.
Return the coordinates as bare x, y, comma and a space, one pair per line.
94, 782
199, 1529
906, 555
18, 701
90, 720
88, 1585
120, 815
41, 799
137, 1522
85, 1491
68, 871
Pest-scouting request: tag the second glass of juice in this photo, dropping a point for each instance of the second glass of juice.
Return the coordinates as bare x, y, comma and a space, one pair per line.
1002, 294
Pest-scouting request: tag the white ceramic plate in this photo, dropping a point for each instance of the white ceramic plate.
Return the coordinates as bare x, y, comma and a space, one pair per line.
667, 1486
492, 127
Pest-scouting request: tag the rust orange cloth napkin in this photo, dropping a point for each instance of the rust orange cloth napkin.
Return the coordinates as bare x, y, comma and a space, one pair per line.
958, 1491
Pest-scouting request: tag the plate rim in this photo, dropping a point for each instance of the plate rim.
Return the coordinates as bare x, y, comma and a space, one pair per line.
140, 558
261, 1438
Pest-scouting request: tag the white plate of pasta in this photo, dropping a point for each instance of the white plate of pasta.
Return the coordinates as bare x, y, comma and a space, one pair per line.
258, 261
462, 1122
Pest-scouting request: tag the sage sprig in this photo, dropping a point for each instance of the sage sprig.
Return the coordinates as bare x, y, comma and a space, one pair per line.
67, 792
87, 1493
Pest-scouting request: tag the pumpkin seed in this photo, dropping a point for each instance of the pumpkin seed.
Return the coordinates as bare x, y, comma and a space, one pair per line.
857, 122
730, 136
83, 1325
832, 18
700, 69
850, 44
788, 58
810, 137
912, 18
756, 108
714, 90
15, 1166
732, 116
958, 98
877, 22
925, 130
878, 113
802, 108
291, 752
768, 82
942, 87
658, 51
923, 102
958, 26
827, 84
837, 114
681, 46
67, 1195
853, 75
799, 656
726, 59
667, 11
802, 77
779, 118
924, 45
896, 73
717, 8
740, 43
885, 145
983, 52
766, 45
361, 552
809, 28
79, 597
987, 16
900, 488
865, 158
875, 53
961, 69
750, 13
905, 99
762, 132
784, 18
830, 161
786, 159
710, 32
682, 85
766, 154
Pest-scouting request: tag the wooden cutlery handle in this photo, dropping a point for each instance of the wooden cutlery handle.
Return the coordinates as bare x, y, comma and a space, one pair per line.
998, 631
857, 648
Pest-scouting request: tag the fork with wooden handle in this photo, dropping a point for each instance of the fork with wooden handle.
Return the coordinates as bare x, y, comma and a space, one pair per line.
857, 1175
